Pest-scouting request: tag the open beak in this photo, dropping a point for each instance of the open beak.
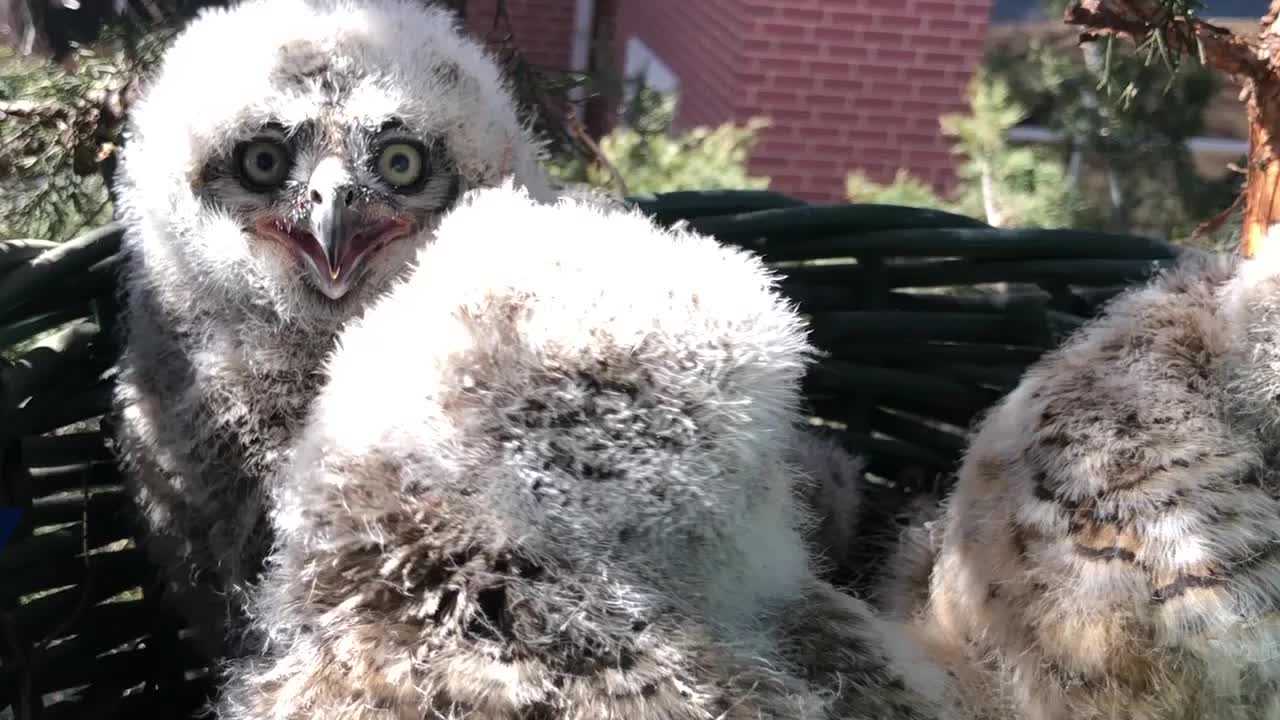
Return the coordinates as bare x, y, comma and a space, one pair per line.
335, 243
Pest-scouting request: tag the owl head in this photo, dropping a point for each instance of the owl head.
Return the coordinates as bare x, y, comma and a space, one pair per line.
597, 389
295, 154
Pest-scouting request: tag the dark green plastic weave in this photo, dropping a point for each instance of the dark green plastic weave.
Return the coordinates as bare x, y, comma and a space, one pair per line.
927, 319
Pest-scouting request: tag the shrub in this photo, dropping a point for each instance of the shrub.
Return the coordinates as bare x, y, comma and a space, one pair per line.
650, 158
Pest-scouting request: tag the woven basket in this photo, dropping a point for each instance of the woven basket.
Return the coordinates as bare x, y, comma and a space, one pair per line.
927, 317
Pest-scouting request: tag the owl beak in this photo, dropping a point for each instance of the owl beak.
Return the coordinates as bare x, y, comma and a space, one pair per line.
335, 245
332, 226
343, 242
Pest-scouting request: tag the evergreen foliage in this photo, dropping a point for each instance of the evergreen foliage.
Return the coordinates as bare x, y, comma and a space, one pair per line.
649, 157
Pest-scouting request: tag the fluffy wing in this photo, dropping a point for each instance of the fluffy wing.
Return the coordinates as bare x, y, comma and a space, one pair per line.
1112, 539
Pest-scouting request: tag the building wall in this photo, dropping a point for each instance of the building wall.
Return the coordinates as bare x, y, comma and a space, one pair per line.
701, 41
543, 28
849, 85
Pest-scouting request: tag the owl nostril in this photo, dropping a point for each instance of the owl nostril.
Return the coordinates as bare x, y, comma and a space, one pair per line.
316, 197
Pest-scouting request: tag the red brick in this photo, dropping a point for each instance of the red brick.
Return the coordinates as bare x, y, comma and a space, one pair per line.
766, 163
980, 11
809, 16
827, 101
915, 139
934, 91
877, 171
773, 148
760, 10
782, 30
817, 132
852, 19
941, 8
839, 118
884, 6
904, 23
869, 136
837, 34
818, 166
798, 48
893, 90
848, 52
874, 102
933, 42
784, 115
775, 97
791, 82
927, 123
842, 85
883, 39
831, 69
884, 121
928, 157
879, 72
949, 27
887, 155
945, 59
773, 64
923, 107
848, 84
896, 56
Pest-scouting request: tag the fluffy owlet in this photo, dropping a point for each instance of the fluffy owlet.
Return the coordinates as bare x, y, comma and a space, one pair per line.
286, 163
549, 477
1112, 549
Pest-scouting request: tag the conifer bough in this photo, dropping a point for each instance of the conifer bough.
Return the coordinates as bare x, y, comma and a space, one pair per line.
1171, 28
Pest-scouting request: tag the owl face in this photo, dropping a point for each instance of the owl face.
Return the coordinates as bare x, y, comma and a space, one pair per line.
325, 198
305, 167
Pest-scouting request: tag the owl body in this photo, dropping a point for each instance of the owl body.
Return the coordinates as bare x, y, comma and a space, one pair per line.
1110, 548
569, 494
269, 198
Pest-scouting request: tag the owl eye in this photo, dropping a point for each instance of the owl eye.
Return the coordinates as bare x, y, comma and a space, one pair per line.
401, 164
264, 164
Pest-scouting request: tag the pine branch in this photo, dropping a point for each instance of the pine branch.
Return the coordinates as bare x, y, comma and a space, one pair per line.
1256, 65
1145, 20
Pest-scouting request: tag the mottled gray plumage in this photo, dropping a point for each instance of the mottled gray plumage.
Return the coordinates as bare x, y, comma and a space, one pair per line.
283, 168
830, 487
552, 476
1110, 550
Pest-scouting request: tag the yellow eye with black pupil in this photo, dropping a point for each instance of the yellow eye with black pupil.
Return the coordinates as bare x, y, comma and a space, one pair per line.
400, 164
264, 163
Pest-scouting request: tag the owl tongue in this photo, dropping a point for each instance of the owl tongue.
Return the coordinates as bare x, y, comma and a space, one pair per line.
348, 257
335, 261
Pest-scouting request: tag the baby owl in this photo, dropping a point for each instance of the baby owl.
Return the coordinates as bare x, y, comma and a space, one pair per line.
566, 494
285, 164
1111, 548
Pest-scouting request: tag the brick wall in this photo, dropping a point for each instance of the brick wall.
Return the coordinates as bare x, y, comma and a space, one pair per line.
701, 40
543, 28
855, 84
848, 84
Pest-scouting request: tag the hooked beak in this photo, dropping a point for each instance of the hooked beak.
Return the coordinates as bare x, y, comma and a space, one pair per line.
335, 243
